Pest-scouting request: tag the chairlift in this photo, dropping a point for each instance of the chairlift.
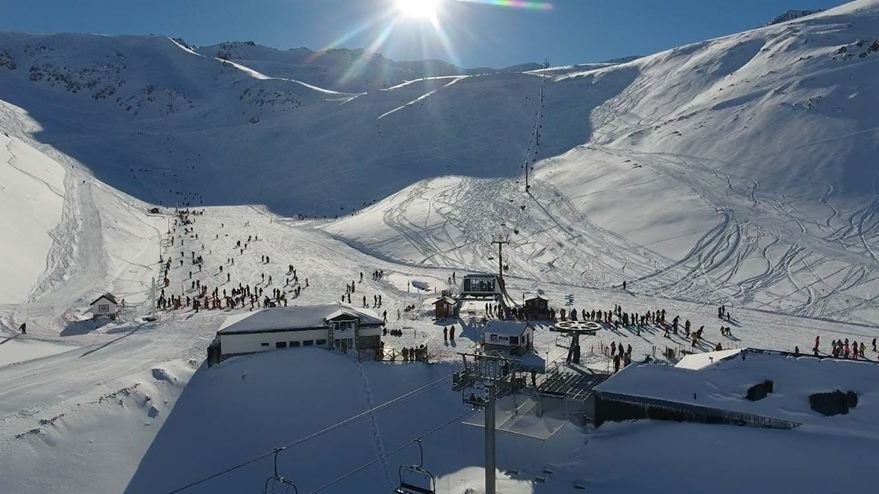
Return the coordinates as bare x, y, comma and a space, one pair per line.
516, 231
415, 479
277, 484
461, 380
476, 396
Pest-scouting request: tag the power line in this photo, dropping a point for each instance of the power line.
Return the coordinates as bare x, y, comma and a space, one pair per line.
313, 435
377, 459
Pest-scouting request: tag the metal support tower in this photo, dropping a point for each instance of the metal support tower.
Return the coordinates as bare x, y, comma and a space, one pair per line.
500, 241
491, 376
490, 457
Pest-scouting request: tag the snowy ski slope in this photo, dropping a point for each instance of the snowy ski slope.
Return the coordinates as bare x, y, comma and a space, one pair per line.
738, 170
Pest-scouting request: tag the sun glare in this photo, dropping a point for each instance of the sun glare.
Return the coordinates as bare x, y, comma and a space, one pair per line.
418, 9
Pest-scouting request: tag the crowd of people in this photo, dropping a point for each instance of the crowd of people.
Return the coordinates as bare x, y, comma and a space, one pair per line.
844, 349
205, 288
199, 295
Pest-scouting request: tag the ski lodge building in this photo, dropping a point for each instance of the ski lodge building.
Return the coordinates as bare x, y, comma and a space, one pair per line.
751, 387
444, 307
104, 306
331, 326
515, 336
537, 308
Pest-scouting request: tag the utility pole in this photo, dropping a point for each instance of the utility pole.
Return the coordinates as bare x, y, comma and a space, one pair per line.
153, 300
483, 380
490, 457
500, 241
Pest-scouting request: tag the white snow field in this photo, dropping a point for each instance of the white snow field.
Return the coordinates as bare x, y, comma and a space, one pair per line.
32, 186
737, 171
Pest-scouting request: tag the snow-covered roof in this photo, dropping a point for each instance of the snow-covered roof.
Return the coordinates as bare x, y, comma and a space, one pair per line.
366, 316
536, 297
507, 328
109, 296
291, 318
475, 306
448, 300
724, 384
698, 361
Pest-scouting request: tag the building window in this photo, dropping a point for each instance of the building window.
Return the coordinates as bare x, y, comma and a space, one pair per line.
294, 344
493, 337
320, 342
263, 344
281, 344
514, 340
308, 343
344, 325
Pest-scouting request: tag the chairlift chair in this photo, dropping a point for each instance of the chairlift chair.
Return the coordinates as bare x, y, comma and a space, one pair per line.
415, 479
277, 484
476, 396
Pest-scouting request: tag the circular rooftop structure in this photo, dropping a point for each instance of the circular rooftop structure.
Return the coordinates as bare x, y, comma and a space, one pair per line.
577, 327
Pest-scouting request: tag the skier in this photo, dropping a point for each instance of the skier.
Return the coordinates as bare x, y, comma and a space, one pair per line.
23, 328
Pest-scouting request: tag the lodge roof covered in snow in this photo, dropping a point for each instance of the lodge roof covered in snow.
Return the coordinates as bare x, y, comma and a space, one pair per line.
723, 384
108, 296
506, 328
294, 318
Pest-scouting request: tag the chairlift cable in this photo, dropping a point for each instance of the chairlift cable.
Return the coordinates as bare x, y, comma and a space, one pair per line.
395, 451
313, 435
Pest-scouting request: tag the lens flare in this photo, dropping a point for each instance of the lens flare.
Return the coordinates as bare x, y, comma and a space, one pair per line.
516, 4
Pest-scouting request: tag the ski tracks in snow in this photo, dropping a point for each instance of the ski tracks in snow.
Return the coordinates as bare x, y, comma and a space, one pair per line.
373, 422
420, 98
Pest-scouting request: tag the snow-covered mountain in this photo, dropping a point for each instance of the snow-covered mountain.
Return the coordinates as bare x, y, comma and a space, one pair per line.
739, 156
740, 168
341, 69
791, 15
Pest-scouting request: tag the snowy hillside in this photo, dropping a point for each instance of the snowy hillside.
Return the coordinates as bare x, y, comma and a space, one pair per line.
339, 69
32, 184
177, 122
342, 69
791, 15
738, 169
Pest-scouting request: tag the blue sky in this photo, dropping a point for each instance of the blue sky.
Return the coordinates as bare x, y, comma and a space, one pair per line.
476, 35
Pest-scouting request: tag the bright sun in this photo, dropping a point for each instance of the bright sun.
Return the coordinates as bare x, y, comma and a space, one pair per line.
418, 9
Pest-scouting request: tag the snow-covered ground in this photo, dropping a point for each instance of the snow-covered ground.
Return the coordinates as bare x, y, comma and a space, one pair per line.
736, 171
